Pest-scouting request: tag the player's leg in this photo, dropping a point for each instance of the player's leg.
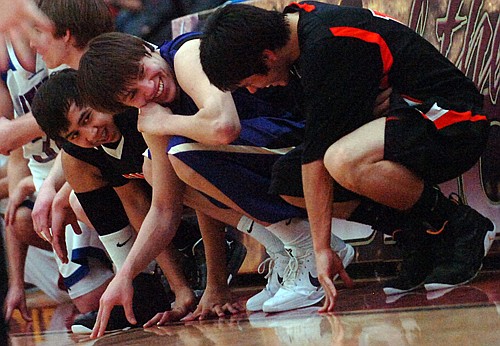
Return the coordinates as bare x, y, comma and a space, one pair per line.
238, 177
397, 162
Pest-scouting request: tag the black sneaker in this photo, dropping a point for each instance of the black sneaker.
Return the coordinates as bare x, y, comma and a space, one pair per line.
84, 323
197, 278
150, 298
417, 263
235, 255
471, 235
195, 265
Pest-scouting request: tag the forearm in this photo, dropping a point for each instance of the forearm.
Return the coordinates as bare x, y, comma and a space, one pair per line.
157, 231
64, 192
25, 129
164, 216
26, 186
318, 193
214, 126
16, 257
56, 178
136, 202
17, 169
206, 126
4, 187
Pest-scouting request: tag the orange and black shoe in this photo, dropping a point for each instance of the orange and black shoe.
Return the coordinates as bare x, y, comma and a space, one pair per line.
469, 236
418, 260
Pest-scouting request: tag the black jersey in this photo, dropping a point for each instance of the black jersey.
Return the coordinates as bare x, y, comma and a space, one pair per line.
348, 54
117, 161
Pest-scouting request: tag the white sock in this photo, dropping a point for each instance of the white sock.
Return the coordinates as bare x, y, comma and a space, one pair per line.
293, 232
261, 234
336, 243
118, 244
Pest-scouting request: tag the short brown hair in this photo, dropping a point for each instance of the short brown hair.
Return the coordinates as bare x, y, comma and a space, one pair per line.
85, 19
109, 68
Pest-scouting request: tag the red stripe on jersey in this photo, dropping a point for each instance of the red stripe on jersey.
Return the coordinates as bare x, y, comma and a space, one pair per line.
305, 7
371, 37
453, 117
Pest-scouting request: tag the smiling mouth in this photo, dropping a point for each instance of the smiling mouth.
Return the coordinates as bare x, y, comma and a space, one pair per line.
104, 137
161, 86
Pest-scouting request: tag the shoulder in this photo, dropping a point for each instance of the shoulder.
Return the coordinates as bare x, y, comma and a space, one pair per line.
170, 48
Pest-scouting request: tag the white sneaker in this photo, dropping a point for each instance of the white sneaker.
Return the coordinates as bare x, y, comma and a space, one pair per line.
346, 254
301, 286
277, 263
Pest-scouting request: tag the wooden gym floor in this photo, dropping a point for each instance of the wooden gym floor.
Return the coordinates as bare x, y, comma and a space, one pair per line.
467, 315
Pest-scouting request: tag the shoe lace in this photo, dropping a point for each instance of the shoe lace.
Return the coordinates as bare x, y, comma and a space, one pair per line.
270, 261
195, 245
293, 267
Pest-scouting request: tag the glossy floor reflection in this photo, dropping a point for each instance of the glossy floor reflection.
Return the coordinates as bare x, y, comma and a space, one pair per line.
467, 315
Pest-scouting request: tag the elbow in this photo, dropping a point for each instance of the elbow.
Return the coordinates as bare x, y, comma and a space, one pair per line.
227, 132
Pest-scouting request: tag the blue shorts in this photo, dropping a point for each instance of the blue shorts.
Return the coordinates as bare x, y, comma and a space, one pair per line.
242, 170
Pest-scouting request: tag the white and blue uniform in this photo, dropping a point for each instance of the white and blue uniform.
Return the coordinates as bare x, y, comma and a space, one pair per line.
41, 152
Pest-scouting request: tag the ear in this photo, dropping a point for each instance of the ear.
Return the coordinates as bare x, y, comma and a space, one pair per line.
269, 57
67, 36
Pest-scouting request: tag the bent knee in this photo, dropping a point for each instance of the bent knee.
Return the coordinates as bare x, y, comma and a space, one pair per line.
345, 166
339, 162
22, 226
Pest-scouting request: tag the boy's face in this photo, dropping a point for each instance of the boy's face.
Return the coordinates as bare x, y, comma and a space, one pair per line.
52, 50
260, 81
155, 83
278, 75
89, 128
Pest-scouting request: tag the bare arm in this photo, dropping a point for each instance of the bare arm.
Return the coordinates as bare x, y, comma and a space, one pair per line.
6, 109
318, 193
16, 298
157, 231
43, 205
164, 216
137, 204
16, 250
217, 120
18, 18
19, 131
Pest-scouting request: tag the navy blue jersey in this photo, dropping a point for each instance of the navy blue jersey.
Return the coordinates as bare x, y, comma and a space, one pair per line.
270, 102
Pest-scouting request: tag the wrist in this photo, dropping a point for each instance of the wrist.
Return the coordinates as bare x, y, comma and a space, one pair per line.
321, 244
125, 273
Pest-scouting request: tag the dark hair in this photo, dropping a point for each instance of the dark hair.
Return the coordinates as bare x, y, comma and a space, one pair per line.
85, 19
53, 100
109, 68
234, 38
